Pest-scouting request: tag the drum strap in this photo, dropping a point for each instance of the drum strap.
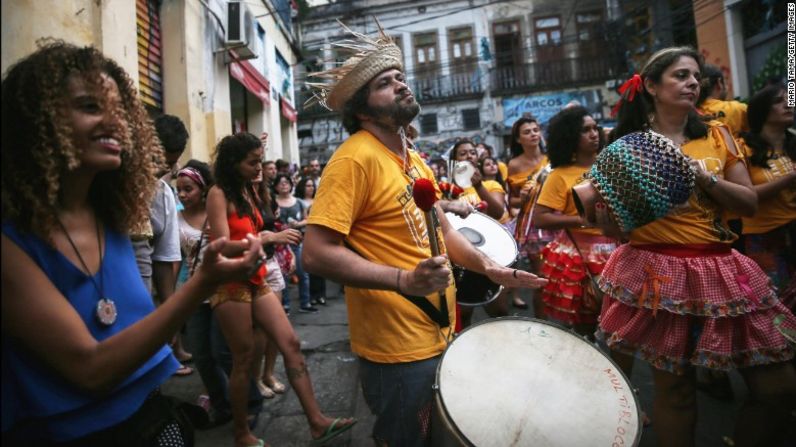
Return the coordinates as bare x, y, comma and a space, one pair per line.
438, 316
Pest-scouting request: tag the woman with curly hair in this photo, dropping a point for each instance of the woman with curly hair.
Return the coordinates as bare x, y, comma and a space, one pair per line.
235, 209
771, 233
577, 254
84, 349
526, 167
677, 295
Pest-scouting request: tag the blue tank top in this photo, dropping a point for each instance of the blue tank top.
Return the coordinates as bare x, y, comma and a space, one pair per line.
34, 395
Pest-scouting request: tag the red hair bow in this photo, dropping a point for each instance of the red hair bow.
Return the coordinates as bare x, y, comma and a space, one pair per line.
634, 84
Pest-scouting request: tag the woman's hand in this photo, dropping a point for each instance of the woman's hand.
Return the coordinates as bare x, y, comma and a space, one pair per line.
525, 192
703, 177
605, 223
219, 269
288, 236
476, 179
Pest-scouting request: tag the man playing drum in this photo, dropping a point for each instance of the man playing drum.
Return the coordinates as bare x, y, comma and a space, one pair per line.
366, 232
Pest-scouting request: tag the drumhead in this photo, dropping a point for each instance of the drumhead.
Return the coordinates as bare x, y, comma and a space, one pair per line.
520, 381
488, 236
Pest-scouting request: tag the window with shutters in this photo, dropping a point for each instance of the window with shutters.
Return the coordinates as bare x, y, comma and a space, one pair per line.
426, 52
461, 47
150, 58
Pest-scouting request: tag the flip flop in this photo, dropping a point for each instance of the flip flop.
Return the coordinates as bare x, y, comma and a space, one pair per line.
331, 432
183, 371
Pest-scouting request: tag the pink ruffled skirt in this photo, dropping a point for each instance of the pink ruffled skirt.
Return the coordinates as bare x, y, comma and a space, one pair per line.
713, 308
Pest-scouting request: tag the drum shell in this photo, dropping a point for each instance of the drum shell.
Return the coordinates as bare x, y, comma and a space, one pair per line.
496, 243
486, 420
473, 289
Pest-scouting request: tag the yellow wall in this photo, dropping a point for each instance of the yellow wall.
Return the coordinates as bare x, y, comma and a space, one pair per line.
106, 25
712, 38
195, 79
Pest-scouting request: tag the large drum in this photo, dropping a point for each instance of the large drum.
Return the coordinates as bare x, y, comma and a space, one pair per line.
517, 381
493, 240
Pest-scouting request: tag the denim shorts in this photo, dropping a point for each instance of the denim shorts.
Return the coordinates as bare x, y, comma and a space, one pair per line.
401, 396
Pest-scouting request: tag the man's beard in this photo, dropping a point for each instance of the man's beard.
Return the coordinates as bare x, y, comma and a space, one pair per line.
396, 114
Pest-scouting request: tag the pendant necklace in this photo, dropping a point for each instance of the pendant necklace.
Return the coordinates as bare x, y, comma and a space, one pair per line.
106, 308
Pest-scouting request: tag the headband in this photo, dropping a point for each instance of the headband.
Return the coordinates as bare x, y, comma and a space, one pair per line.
194, 175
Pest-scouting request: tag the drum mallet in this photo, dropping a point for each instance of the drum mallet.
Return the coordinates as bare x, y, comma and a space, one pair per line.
425, 196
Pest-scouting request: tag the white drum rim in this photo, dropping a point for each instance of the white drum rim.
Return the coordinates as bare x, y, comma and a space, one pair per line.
511, 236
444, 407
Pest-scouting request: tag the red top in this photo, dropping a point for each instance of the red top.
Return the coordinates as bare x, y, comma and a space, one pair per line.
239, 227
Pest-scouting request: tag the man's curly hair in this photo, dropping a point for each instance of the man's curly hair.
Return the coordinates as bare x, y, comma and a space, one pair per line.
37, 141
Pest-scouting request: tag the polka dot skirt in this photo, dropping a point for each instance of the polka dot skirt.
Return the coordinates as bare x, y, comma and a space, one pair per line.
171, 436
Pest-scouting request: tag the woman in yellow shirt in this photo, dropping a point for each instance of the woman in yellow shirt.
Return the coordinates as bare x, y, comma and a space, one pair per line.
771, 232
569, 297
526, 166
677, 295
481, 191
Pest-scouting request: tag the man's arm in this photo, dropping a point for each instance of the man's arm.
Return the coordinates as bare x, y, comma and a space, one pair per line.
325, 255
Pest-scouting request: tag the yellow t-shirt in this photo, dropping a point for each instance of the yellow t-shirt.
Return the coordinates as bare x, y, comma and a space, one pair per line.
518, 180
731, 113
470, 195
503, 169
366, 195
775, 211
699, 220
556, 193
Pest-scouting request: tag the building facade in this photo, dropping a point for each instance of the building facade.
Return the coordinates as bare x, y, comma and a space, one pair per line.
742, 38
221, 66
475, 66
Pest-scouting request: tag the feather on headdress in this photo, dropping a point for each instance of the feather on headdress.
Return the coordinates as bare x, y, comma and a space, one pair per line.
368, 56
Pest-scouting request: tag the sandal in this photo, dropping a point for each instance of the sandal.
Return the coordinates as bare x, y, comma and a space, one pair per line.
183, 371
332, 432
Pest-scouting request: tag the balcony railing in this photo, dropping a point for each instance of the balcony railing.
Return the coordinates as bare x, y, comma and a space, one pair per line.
453, 86
554, 74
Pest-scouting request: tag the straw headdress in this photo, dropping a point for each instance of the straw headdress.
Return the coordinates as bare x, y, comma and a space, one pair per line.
368, 56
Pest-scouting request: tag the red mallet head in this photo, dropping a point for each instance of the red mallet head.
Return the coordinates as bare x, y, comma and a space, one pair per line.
482, 206
424, 194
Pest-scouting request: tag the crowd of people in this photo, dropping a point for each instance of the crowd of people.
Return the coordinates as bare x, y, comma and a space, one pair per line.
118, 223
